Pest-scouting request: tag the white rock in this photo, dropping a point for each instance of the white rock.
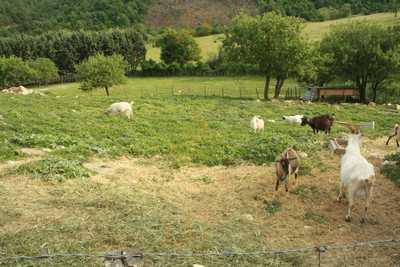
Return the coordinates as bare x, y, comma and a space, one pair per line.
248, 217
198, 265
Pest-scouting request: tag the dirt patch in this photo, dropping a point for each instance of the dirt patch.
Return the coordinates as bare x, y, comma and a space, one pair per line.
219, 193
221, 196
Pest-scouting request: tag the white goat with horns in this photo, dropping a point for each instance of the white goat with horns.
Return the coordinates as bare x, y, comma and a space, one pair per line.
357, 175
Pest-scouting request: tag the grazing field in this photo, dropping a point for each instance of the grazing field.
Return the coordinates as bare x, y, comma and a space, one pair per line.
315, 31
186, 174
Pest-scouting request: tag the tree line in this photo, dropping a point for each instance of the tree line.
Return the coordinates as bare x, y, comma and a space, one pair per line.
362, 54
66, 49
40, 16
317, 10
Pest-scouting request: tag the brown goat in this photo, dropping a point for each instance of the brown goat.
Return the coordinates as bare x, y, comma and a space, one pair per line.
320, 123
288, 164
396, 134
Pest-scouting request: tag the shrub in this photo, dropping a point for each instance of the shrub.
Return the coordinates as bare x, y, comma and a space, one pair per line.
14, 71
178, 47
393, 171
45, 70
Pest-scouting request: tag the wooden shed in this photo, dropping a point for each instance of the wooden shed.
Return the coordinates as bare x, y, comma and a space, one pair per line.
321, 93
336, 91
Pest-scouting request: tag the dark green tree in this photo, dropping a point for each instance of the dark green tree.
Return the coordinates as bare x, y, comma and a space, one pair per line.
178, 47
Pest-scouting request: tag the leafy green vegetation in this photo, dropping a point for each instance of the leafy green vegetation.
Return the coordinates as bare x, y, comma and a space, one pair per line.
273, 206
100, 71
36, 17
393, 171
56, 169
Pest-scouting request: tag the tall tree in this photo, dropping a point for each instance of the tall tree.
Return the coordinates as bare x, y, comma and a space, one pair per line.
101, 71
272, 42
360, 51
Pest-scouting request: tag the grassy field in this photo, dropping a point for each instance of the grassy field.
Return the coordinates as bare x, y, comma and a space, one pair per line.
186, 174
314, 31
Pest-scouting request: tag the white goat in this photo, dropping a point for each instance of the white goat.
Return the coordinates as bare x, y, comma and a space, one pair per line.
124, 108
357, 176
257, 123
296, 119
396, 135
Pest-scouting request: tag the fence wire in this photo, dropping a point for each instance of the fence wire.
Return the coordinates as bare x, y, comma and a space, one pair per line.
368, 253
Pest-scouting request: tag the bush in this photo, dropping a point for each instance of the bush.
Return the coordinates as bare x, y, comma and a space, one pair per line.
14, 71
393, 171
178, 47
45, 70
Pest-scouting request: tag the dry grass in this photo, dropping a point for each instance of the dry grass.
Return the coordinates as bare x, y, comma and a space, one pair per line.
145, 203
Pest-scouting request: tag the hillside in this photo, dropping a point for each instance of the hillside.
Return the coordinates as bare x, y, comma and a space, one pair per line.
209, 45
38, 16
189, 14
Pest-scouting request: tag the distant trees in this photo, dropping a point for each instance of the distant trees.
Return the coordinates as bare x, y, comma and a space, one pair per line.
14, 71
40, 16
102, 71
394, 6
362, 53
66, 49
178, 47
44, 70
272, 42
325, 9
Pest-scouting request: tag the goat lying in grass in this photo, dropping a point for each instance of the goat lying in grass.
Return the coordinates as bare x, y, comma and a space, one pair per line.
357, 176
296, 119
396, 135
288, 164
320, 123
257, 124
124, 108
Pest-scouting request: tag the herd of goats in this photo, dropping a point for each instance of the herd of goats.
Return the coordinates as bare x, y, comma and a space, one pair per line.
356, 173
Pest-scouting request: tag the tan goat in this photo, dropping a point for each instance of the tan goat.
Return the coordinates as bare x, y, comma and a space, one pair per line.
288, 164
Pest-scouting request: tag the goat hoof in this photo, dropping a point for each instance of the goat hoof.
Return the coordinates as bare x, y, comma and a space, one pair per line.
348, 219
363, 220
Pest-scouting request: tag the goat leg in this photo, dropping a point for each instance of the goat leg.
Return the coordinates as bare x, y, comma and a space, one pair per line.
390, 137
397, 141
367, 202
348, 216
340, 196
277, 184
287, 184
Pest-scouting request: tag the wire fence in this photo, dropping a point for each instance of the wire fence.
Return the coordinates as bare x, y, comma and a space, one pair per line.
368, 253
